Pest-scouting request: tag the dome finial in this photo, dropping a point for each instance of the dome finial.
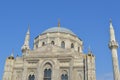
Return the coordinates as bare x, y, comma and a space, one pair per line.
111, 26
28, 32
12, 54
110, 20
58, 22
89, 49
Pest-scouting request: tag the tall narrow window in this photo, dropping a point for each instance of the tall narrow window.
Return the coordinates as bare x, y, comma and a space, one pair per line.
64, 77
52, 42
31, 77
72, 45
47, 74
62, 44
43, 43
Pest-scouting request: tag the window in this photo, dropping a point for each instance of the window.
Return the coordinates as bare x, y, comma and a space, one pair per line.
31, 77
47, 71
43, 43
47, 74
72, 45
52, 42
62, 44
64, 77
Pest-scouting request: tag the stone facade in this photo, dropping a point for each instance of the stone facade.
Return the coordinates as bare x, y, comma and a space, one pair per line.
60, 52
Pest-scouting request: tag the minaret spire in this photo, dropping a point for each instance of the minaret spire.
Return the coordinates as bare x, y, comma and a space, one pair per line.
112, 34
25, 46
113, 45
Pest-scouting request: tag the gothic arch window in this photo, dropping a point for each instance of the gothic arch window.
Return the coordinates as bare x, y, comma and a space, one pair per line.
43, 43
31, 77
52, 42
72, 45
62, 44
64, 75
47, 72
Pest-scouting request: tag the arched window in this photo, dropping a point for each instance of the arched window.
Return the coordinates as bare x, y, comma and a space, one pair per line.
43, 43
64, 77
52, 42
62, 44
72, 45
31, 77
47, 74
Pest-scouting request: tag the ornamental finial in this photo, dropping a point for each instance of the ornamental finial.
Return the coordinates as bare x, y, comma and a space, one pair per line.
58, 22
28, 32
111, 26
110, 20
12, 54
89, 49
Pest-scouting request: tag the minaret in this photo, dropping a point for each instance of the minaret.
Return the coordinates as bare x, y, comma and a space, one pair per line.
25, 46
113, 45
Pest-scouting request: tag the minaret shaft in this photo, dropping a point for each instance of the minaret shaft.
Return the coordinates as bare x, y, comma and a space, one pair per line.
113, 45
115, 64
112, 37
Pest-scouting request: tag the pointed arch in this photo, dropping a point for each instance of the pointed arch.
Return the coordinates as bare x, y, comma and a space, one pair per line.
43, 43
47, 64
52, 42
47, 71
64, 75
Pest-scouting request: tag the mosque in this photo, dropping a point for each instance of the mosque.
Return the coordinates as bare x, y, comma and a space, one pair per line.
57, 55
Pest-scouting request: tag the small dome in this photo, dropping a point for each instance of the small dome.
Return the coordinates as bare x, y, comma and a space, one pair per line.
58, 29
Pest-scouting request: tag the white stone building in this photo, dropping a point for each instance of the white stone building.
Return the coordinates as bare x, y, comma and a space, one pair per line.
57, 55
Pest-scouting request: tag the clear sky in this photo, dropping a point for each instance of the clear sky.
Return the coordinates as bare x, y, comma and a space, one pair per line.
88, 19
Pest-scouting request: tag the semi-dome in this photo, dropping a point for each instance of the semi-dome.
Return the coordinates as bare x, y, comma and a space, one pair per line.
58, 29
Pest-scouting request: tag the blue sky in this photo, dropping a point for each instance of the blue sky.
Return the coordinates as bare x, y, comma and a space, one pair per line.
88, 19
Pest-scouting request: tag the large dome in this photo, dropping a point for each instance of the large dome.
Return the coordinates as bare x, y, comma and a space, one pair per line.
59, 29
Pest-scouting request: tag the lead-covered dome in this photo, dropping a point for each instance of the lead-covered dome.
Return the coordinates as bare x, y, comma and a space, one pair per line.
58, 29
60, 37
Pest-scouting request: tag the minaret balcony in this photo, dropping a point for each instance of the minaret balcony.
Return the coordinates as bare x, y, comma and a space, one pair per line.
113, 44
